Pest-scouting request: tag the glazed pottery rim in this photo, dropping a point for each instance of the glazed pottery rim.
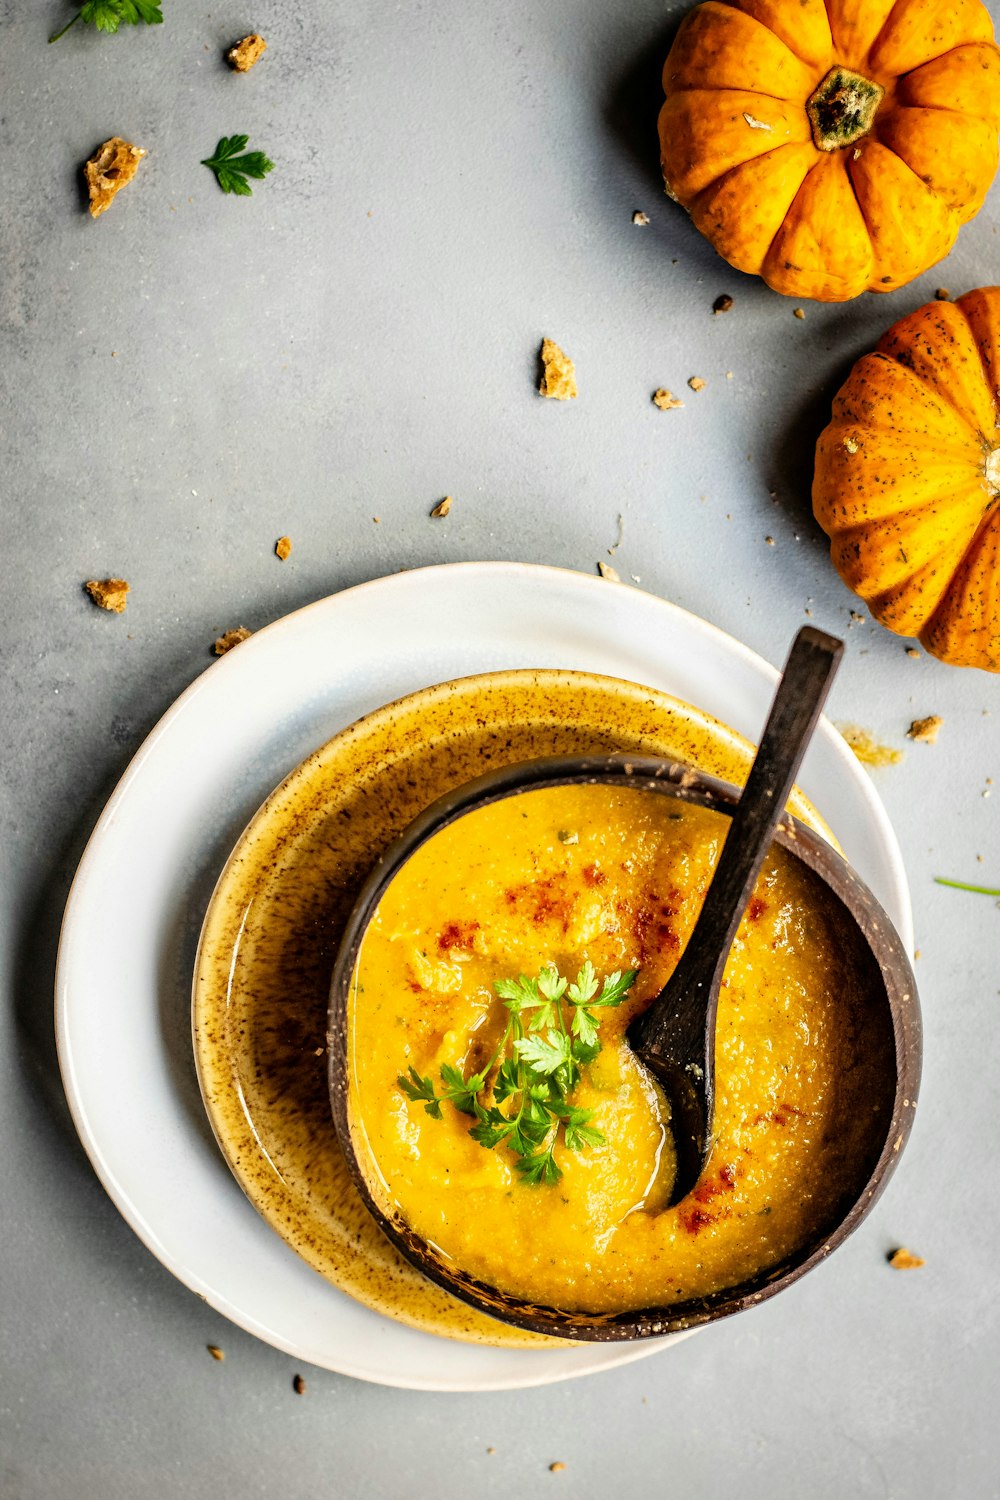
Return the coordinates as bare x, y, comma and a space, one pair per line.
384, 712
686, 783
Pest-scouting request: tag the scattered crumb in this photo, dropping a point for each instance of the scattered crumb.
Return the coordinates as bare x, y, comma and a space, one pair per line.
905, 1260
867, 748
696, 383
283, 548
856, 618
639, 217
230, 639
607, 571
491, 1450
244, 54
722, 304
556, 1468
769, 540
215, 1352
442, 508
851, 444
917, 953
798, 312
943, 294
754, 123
926, 730
299, 1386
108, 593
111, 167
912, 651
665, 400
729, 374
558, 373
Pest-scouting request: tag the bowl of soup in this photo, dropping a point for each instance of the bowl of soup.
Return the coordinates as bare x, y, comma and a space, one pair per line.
482, 948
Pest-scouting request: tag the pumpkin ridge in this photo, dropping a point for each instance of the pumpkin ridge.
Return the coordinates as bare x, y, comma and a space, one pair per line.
969, 421
988, 518
927, 188
985, 371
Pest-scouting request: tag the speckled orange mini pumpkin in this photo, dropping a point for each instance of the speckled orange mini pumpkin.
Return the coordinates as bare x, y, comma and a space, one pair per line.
907, 482
832, 148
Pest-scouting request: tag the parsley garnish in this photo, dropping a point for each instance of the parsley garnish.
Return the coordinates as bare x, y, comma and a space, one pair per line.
108, 15
232, 170
959, 885
534, 1070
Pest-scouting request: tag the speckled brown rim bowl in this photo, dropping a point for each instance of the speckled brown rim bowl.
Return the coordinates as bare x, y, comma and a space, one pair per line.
893, 1018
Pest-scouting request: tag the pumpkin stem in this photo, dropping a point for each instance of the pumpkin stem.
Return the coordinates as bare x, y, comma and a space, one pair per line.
842, 109
993, 472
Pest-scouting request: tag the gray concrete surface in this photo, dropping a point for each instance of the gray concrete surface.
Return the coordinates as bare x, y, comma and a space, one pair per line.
194, 375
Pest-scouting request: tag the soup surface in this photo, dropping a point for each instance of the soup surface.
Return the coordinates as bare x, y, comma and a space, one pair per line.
615, 876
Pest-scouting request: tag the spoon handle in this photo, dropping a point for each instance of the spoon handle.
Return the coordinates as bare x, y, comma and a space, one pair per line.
798, 703
681, 1022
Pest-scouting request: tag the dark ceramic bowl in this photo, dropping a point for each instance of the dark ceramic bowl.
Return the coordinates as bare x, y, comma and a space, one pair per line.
891, 1021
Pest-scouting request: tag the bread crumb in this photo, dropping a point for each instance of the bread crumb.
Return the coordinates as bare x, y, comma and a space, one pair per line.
797, 312
244, 54
556, 1468
943, 294
491, 1450
856, 618
283, 548
558, 373
639, 217
696, 383
851, 444
926, 730
112, 167
230, 639
754, 123
108, 593
905, 1260
729, 374
769, 540
912, 651
867, 748
607, 571
299, 1385
665, 400
442, 508
215, 1352
722, 304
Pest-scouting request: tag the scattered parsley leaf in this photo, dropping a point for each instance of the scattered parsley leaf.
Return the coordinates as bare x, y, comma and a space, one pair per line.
232, 170
108, 15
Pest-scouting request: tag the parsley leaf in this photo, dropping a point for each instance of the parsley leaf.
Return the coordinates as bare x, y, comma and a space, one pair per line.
535, 1067
539, 1168
232, 170
108, 15
421, 1089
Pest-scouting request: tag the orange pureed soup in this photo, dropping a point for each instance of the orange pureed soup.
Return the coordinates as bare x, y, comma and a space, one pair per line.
614, 876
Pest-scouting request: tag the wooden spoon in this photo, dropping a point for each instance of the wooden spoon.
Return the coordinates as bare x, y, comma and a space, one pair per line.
675, 1037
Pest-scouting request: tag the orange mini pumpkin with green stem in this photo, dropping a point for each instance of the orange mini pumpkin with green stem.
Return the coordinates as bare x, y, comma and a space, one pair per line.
907, 480
832, 148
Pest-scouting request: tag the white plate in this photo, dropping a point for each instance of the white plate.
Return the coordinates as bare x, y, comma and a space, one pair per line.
135, 909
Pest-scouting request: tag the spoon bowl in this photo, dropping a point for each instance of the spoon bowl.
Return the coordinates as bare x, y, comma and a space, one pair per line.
891, 1016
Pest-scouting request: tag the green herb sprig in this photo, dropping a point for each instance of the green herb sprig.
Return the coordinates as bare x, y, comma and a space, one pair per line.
521, 1098
232, 170
108, 15
960, 885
